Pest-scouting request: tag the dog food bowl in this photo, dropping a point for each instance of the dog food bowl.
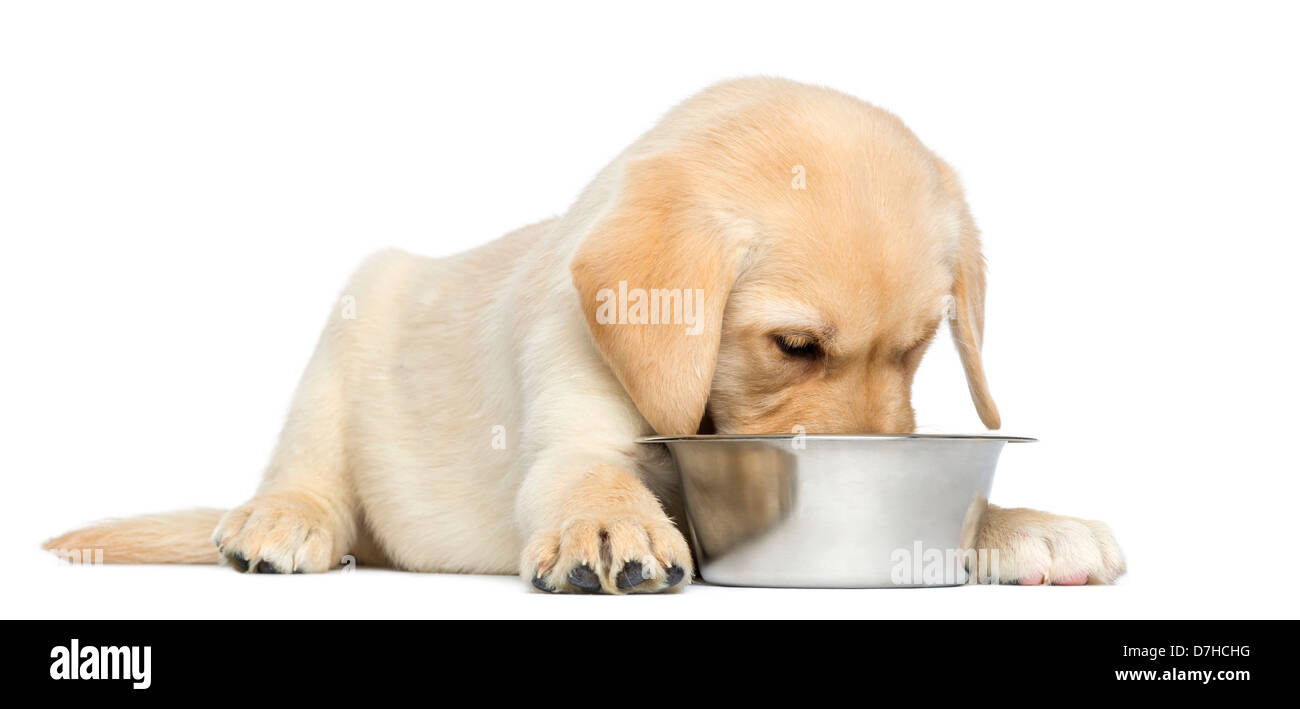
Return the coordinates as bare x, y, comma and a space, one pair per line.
836, 511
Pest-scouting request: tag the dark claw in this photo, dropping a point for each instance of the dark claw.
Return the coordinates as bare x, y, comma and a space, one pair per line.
540, 584
631, 575
675, 575
240, 562
584, 578
266, 567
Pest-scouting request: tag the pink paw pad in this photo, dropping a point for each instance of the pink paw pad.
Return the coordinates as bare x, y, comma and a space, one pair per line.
1031, 580
1077, 578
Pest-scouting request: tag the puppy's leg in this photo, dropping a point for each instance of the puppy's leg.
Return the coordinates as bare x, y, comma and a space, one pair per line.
596, 528
303, 518
1040, 548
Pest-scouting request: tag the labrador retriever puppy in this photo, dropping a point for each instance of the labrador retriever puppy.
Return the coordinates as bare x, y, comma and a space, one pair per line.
771, 255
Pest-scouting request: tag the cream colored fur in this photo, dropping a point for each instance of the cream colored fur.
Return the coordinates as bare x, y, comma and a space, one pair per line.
473, 414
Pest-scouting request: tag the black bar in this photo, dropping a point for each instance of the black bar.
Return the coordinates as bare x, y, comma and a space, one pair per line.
924, 659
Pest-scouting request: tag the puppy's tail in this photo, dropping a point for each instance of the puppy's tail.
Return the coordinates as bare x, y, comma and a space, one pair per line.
183, 537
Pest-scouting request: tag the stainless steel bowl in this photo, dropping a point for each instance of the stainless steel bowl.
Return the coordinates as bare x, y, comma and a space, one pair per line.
836, 511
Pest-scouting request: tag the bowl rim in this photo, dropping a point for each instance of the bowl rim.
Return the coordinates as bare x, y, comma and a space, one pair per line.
836, 437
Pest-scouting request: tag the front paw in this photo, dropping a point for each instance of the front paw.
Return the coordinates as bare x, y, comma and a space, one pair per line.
1036, 548
591, 554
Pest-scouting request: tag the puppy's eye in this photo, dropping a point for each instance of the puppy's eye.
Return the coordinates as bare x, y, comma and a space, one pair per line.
798, 346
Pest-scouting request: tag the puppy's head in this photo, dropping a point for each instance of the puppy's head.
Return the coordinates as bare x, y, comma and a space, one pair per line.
781, 255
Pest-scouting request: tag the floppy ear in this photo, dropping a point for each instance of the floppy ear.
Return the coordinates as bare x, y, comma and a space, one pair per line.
967, 322
653, 277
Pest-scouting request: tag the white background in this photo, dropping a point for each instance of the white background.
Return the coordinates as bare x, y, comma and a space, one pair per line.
183, 189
